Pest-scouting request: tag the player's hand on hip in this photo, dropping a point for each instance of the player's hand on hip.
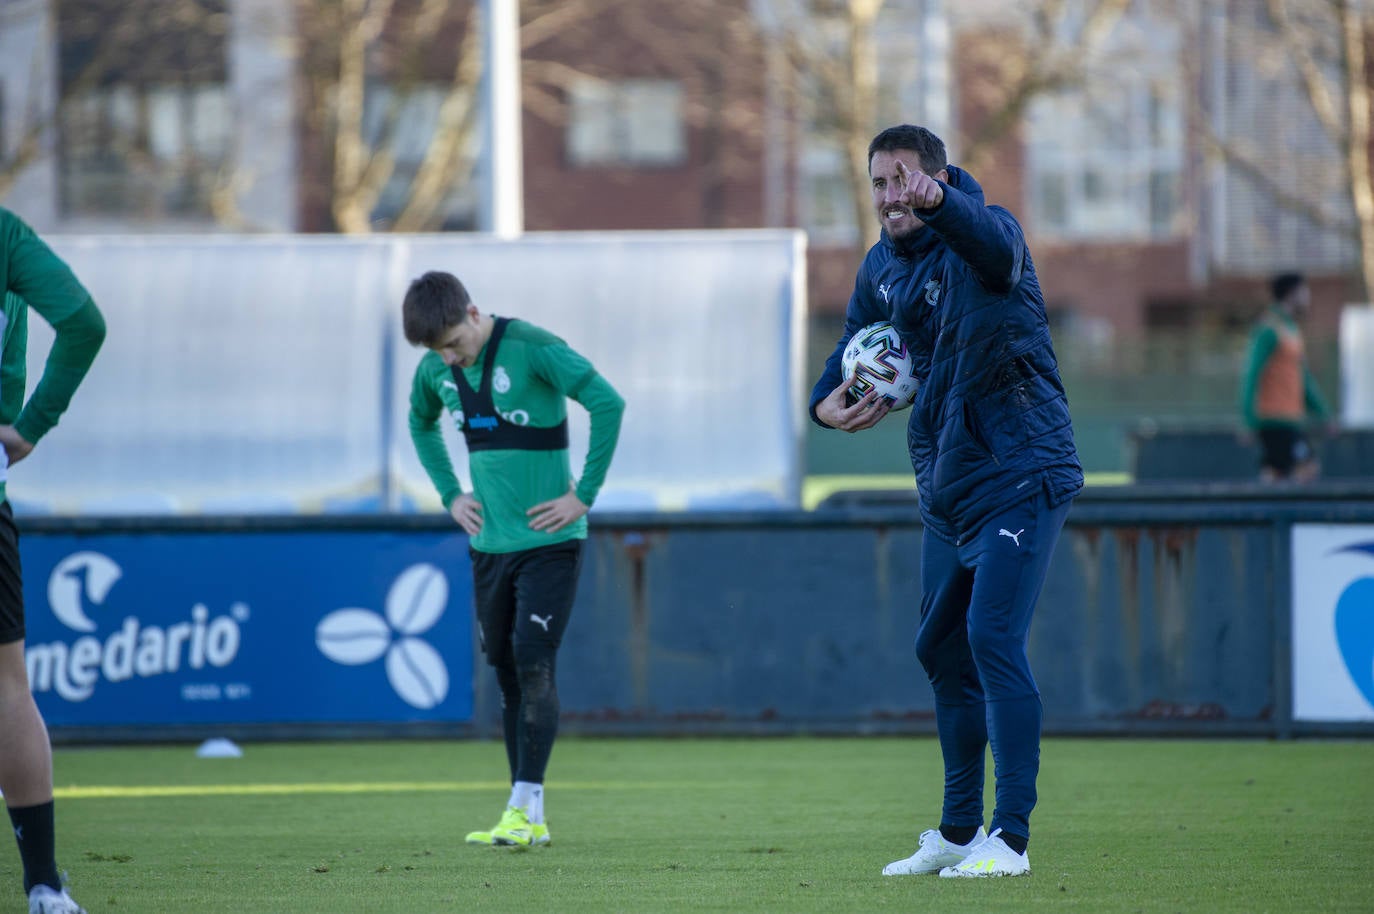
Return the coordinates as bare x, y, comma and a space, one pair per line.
866, 412
16, 446
552, 516
919, 190
467, 511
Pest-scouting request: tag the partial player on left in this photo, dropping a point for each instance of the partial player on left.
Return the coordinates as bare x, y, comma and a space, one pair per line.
32, 276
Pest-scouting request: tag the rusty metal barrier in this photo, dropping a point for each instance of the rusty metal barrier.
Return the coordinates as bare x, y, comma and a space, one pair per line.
1168, 610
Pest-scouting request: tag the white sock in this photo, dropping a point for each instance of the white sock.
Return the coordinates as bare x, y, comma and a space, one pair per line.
536, 811
528, 796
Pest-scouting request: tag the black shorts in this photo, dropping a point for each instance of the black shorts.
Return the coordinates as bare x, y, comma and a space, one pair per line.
524, 599
1282, 448
11, 580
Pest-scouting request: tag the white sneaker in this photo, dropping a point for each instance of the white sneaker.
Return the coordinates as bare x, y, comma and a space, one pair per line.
46, 900
991, 858
933, 854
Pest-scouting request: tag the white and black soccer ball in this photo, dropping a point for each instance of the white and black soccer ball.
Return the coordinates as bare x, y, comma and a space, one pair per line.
877, 357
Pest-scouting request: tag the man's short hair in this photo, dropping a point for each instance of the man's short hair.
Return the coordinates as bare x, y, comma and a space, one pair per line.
433, 303
929, 148
1282, 285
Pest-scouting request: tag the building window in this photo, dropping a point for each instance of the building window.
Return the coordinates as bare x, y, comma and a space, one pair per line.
826, 206
402, 121
144, 151
1270, 121
1105, 159
634, 122
145, 116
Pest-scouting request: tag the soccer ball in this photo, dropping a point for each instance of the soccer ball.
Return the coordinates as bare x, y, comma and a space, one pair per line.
877, 357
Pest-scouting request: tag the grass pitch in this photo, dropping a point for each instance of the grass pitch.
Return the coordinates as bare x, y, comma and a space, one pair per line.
778, 825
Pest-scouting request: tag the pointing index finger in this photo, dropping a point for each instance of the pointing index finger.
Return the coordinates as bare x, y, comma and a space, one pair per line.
904, 172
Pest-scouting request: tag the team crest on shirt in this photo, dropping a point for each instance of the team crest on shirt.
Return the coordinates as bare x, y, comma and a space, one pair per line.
932, 290
500, 381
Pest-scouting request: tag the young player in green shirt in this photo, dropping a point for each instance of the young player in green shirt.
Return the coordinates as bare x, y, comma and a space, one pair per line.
506, 384
1278, 391
32, 276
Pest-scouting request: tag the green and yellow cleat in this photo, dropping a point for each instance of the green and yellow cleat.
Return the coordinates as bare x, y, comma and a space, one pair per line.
479, 837
514, 830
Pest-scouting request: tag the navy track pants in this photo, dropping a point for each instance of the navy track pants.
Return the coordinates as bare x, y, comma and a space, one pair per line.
976, 606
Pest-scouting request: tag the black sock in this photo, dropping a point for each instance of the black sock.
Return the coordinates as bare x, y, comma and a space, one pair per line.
958, 834
33, 829
1015, 842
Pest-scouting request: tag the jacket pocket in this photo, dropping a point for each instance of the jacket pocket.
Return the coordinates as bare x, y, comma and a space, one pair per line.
974, 430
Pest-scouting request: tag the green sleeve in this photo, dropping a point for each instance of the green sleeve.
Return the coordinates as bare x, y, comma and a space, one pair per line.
571, 373
1312, 395
42, 280
1262, 343
425, 410
13, 363
606, 407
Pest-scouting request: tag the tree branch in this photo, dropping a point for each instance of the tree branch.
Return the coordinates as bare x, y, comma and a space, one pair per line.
1354, 74
1051, 62
435, 176
1262, 175
1299, 51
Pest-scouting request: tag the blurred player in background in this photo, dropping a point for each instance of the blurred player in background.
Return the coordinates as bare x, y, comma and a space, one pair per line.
506, 384
996, 469
1278, 392
32, 276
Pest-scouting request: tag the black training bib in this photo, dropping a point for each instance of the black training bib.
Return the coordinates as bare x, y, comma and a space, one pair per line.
484, 428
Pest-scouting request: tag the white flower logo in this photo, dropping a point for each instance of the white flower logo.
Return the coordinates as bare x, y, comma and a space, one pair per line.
415, 602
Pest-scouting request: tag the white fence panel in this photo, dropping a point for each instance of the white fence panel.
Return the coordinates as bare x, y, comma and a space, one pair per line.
268, 374
1357, 366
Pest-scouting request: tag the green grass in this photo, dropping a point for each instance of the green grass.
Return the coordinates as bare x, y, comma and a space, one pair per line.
785, 825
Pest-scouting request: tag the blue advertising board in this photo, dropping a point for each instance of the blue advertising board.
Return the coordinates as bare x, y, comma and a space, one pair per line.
249, 627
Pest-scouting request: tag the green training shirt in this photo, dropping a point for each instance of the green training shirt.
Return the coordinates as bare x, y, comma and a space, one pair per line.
32, 276
1264, 340
534, 376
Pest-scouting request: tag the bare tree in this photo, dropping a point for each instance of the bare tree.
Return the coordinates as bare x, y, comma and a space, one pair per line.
104, 42
362, 63
1317, 51
833, 58
1045, 46
350, 51
388, 90
830, 74
710, 49
353, 47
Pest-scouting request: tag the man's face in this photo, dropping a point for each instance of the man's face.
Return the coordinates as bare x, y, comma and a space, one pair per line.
887, 183
1300, 300
461, 343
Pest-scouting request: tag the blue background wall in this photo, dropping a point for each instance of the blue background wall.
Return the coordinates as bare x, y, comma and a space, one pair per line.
1166, 610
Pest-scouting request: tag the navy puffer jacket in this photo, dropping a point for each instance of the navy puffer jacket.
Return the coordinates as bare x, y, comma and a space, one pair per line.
990, 425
